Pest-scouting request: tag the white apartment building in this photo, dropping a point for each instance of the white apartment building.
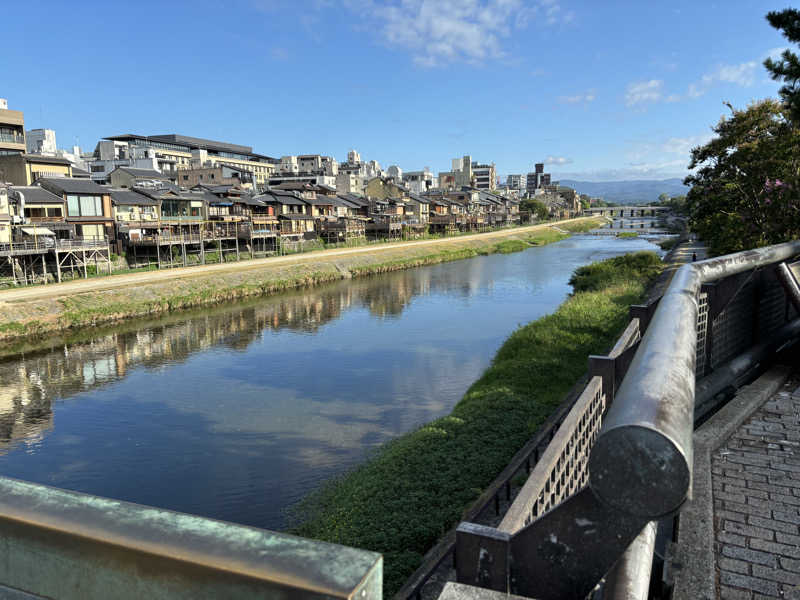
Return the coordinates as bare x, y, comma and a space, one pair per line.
418, 182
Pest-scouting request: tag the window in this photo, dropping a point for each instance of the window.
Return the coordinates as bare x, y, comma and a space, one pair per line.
186, 178
84, 206
98, 169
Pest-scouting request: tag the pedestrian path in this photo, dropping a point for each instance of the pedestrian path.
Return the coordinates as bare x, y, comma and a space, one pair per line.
756, 489
686, 251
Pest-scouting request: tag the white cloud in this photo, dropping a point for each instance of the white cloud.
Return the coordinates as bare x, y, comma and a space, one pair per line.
684, 145
743, 74
664, 169
642, 92
557, 160
775, 53
578, 98
438, 32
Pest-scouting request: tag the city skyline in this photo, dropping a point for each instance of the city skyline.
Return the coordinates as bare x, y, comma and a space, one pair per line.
411, 83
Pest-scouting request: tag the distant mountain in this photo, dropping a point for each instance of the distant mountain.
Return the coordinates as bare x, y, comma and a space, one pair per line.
628, 192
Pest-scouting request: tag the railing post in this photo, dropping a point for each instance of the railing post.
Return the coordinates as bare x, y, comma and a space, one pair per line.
605, 368
482, 556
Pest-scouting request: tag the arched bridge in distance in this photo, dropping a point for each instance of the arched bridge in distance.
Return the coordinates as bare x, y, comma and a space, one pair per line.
627, 211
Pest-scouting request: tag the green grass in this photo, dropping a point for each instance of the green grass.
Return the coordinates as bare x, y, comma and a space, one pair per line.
669, 243
628, 234
415, 488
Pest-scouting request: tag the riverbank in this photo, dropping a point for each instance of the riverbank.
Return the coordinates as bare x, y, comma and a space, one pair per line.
46, 310
415, 488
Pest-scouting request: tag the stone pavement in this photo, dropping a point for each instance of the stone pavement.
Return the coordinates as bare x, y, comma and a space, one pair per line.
756, 501
683, 252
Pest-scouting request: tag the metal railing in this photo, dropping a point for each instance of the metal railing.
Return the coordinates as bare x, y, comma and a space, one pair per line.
559, 540
12, 138
63, 544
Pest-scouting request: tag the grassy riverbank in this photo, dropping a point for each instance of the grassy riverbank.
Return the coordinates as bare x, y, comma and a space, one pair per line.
21, 320
415, 488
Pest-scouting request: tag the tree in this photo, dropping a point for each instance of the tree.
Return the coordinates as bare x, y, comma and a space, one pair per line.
663, 198
745, 192
537, 208
787, 69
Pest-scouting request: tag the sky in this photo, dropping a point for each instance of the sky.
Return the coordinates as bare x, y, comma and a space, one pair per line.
597, 90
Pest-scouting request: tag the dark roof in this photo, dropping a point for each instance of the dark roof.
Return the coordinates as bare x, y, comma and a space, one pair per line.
34, 193
295, 216
355, 199
48, 160
71, 185
273, 196
77, 172
192, 142
319, 200
418, 198
122, 197
248, 199
143, 173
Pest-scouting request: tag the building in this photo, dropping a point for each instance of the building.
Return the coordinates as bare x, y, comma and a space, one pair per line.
516, 182
383, 188
419, 182
128, 177
174, 152
88, 206
26, 169
41, 141
12, 130
395, 173
538, 179
354, 174
466, 173
216, 175
349, 183
108, 155
484, 176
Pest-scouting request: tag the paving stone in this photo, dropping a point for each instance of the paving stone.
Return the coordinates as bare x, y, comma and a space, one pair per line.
749, 530
776, 575
733, 565
751, 556
749, 583
729, 593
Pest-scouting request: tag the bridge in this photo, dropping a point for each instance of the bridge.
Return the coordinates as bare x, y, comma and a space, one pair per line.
627, 211
619, 466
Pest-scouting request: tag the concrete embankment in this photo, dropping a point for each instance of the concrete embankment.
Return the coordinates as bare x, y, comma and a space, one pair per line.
45, 310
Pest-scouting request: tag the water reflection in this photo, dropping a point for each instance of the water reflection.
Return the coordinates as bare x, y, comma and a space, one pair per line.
237, 411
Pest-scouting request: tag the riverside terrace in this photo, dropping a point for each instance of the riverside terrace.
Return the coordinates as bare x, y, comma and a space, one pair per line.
66, 227
608, 480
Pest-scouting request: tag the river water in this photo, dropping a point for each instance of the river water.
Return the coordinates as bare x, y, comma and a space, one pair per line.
236, 412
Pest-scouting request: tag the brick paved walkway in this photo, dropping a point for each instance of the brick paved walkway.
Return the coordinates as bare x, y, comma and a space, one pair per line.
756, 488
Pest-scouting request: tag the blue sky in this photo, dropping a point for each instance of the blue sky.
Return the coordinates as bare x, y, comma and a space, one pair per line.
598, 90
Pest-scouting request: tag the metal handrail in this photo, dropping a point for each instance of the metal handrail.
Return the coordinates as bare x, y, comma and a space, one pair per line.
641, 463
63, 544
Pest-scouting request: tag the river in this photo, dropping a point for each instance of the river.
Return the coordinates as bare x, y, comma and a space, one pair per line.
236, 412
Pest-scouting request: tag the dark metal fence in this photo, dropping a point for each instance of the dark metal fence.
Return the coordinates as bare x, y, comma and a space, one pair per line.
561, 538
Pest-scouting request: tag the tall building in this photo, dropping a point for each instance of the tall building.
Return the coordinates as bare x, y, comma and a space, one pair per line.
12, 130
465, 172
515, 182
538, 179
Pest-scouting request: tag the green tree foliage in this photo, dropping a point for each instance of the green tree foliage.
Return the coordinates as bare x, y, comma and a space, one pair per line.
787, 69
746, 189
536, 207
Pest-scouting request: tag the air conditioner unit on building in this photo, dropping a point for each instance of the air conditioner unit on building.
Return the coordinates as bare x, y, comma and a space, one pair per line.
17, 219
